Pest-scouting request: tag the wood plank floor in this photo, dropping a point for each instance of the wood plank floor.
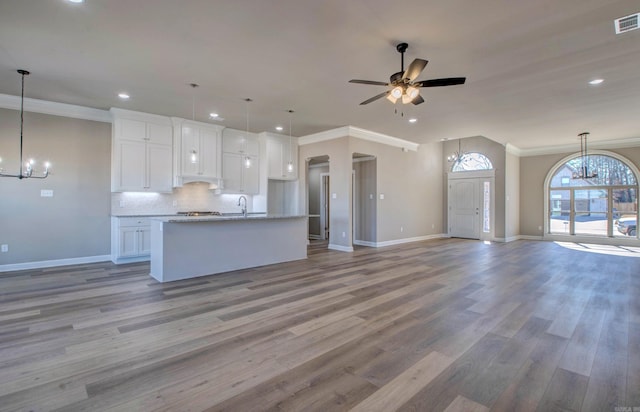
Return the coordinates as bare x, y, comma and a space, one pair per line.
441, 325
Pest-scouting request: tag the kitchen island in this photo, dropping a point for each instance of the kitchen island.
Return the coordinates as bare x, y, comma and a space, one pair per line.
188, 247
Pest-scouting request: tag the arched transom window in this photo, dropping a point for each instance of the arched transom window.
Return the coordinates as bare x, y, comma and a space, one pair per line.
472, 161
604, 205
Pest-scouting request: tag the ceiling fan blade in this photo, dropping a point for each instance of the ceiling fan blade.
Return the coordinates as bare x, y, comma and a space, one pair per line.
376, 97
415, 68
448, 81
369, 82
417, 100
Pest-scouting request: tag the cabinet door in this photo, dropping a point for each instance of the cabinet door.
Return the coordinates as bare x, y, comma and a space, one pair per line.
131, 169
209, 147
131, 129
144, 241
274, 159
191, 155
232, 172
128, 246
251, 176
159, 173
159, 134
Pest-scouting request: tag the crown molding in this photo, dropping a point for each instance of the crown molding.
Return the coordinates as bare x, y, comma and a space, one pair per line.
8, 101
352, 131
570, 148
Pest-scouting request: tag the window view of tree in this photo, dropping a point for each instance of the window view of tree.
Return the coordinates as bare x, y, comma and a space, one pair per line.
472, 161
605, 205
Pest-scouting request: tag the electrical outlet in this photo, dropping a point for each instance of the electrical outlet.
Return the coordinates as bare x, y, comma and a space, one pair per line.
539, 227
122, 203
401, 229
381, 196
46, 193
5, 248
344, 234
175, 203
433, 226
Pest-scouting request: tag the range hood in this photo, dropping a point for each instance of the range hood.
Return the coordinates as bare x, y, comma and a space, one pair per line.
214, 182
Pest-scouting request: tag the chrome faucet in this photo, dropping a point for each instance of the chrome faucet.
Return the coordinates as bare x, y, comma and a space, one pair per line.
243, 205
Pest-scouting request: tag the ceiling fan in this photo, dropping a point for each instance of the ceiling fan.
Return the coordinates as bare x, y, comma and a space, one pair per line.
403, 84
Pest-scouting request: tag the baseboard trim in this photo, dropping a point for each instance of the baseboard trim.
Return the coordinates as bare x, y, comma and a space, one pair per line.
399, 241
53, 263
340, 248
529, 237
315, 237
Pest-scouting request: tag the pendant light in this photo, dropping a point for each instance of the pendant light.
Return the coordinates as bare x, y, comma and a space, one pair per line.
247, 159
290, 164
193, 154
27, 172
584, 173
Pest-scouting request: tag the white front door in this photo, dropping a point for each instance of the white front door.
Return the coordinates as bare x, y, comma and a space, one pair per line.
464, 208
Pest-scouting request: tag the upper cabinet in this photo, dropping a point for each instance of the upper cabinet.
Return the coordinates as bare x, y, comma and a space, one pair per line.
141, 152
240, 162
282, 156
197, 152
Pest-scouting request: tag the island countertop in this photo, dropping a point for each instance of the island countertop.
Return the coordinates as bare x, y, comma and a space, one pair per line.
224, 218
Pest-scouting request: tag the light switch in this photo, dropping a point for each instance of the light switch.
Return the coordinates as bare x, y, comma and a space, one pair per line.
371, 196
381, 196
46, 193
334, 195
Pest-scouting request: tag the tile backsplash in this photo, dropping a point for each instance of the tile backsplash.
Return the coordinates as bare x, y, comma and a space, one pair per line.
190, 197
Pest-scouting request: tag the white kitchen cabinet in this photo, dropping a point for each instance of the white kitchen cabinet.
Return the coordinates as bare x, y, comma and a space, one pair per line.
280, 151
237, 141
130, 239
197, 158
238, 178
240, 162
141, 152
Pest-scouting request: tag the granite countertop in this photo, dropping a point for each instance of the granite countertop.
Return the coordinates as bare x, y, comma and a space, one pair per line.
144, 215
227, 217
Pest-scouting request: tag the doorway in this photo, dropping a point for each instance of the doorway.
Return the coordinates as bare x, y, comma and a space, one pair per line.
318, 182
470, 201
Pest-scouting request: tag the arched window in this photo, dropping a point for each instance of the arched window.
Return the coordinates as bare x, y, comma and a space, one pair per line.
604, 205
472, 161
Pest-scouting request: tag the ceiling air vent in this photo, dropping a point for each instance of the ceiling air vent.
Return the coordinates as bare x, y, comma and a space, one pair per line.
627, 23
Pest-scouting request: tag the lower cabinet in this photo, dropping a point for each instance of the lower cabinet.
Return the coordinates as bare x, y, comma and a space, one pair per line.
130, 239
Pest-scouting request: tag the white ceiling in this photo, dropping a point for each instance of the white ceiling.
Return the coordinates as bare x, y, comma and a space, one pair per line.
527, 63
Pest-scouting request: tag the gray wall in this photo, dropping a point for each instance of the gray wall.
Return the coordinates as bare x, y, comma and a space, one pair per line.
365, 202
512, 196
533, 171
410, 181
75, 221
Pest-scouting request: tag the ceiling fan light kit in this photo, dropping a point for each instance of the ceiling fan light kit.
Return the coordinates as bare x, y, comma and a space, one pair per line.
403, 84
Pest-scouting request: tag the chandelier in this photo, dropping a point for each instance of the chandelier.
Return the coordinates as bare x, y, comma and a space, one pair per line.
27, 172
583, 172
456, 157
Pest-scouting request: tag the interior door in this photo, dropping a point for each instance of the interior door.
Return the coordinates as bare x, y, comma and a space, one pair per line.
464, 208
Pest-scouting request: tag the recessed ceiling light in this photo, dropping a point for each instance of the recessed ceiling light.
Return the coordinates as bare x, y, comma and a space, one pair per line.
213, 115
596, 81
75, 1
124, 96
413, 120
279, 128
